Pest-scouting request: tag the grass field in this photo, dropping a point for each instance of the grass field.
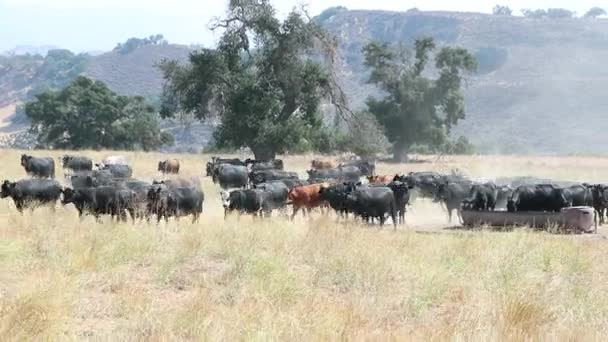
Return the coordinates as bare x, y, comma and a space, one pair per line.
312, 279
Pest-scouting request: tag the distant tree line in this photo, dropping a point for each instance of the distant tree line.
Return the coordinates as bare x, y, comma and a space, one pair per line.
551, 13
133, 44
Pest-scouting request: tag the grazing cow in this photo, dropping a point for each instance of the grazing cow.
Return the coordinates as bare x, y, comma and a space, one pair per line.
373, 202
600, 200
306, 197
38, 167
341, 174
248, 201
482, 197
230, 176
215, 162
29, 193
366, 168
402, 198
452, 194
318, 164
579, 195
140, 191
540, 197
278, 193
504, 193
102, 200
380, 179
117, 170
169, 166
260, 165
175, 202
76, 163
265, 176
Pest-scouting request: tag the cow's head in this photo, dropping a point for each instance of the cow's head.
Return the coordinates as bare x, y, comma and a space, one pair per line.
7, 186
225, 196
161, 165
68, 196
24, 159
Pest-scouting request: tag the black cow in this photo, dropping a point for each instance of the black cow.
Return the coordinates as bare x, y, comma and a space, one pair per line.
402, 198
216, 161
540, 197
340, 174
248, 201
29, 193
265, 176
335, 195
278, 193
579, 195
168, 202
482, 197
373, 202
118, 170
426, 183
292, 183
38, 167
231, 176
77, 163
452, 194
367, 168
259, 165
102, 200
599, 196
140, 191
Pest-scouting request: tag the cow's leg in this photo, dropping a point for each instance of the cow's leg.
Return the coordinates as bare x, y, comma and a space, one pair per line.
450, 215
295, 211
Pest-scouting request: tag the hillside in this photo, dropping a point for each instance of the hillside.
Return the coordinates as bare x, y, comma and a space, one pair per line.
539, 89
541, 83
135, 73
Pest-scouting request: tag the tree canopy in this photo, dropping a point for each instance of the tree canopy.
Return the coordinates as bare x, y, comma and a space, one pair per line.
133, 43
87, 114
417, 109
595, 12
265, 80
502, 10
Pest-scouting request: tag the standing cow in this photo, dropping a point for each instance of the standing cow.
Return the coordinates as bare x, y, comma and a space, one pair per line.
77, 163
28, 193
38, 167
169, 166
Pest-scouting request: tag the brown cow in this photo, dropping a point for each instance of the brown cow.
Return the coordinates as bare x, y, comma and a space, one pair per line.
307, 197
169, 166
380, 179
323, 165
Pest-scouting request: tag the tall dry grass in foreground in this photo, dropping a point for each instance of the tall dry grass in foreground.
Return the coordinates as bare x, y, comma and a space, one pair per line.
62, 279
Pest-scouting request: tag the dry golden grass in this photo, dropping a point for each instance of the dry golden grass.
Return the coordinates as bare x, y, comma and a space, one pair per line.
62, 279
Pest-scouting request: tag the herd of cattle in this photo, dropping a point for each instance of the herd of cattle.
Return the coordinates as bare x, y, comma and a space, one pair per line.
261, 187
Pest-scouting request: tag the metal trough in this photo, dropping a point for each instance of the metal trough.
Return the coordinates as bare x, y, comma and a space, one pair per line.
579, 219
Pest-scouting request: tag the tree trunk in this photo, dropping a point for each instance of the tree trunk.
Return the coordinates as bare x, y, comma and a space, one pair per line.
400, 153
263, 153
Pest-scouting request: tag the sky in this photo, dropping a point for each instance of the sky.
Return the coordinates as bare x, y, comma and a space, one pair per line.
94, 25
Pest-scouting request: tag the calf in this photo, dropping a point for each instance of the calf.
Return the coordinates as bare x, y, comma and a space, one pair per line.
169, 166
248, 201
29, 193
38, 167
599, 196
306, 197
